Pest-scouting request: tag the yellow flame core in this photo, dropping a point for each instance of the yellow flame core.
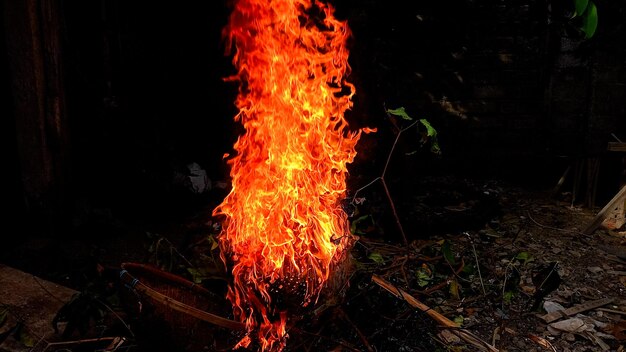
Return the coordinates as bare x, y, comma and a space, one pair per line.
283, 215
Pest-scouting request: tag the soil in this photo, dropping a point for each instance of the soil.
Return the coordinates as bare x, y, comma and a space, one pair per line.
486, 255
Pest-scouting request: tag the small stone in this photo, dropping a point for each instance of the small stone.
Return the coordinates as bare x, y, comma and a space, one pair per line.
550, 306
595, 269
571, 325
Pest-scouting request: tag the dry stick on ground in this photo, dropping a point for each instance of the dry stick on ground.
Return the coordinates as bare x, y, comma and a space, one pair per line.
382, 179
178, 306
445, 322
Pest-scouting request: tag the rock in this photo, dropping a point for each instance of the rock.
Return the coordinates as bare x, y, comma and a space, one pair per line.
551, 307
595, 269
571, 325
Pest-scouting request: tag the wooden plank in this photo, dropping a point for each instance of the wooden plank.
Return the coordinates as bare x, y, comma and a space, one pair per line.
579, 308
604, 212
616, 147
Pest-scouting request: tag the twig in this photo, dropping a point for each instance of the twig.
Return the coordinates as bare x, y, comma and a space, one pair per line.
382, 179
413, 302
550, 227
445, 282
172, 249
542, 342
117, 316
466, 335
176, 305
482, 284
364, 187
404, 276
395, 213
620, 312
114, 342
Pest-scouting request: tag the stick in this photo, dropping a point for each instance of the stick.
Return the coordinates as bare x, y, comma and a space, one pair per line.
442, 320
583, 307
602, 214
179, 306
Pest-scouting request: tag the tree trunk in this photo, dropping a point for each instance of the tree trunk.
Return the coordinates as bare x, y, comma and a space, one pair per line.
33, 42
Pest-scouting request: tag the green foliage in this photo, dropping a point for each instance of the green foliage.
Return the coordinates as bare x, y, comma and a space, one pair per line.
508, 296
400, 112
430, 135
581, 6
587, 11
459, 320
446, 251
356, 226
454, 289
376, 258
424, 276
524, 257
590, 20
469, 269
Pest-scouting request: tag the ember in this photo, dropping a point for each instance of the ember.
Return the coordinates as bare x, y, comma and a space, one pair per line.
284, 229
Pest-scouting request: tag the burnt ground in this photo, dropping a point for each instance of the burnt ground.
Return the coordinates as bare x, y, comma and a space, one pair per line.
485, 254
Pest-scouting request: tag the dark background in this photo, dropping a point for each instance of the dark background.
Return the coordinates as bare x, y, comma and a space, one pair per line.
108, 99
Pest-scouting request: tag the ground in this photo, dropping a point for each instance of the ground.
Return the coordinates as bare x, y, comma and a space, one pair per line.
483, 254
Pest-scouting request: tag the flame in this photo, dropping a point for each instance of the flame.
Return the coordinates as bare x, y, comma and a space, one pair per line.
284, 225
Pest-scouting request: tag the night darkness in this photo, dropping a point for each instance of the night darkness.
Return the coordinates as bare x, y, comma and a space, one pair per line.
107, 102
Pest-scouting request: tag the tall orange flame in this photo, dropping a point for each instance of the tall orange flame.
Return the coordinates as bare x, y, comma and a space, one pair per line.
284, 228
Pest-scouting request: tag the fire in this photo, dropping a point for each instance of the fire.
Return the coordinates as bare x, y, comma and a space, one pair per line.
284, 228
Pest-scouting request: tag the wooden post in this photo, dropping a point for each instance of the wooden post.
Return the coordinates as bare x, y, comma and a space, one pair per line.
33, 42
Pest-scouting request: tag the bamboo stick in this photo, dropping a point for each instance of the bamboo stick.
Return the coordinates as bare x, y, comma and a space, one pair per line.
466, 335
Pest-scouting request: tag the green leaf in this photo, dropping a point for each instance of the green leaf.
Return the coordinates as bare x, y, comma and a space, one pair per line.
454, 289
423, 276
590, 20
581, 6
430, 130
508, 296
400, 112
469, 269
354, 226
376, 257
524, 257
446, 250
197, 275
434, 148
214, 243
459, 320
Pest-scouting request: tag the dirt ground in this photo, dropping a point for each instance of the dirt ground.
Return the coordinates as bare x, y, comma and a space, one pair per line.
481, 260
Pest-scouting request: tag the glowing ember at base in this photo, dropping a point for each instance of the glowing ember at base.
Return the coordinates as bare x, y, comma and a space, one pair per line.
284, 229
